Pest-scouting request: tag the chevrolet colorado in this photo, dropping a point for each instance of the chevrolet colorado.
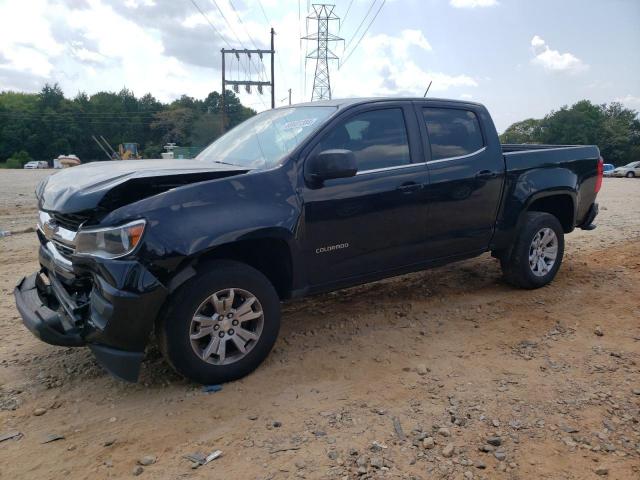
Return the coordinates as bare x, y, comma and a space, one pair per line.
295, 201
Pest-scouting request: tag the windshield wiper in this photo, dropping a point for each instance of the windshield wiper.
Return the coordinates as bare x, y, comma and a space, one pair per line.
227, 163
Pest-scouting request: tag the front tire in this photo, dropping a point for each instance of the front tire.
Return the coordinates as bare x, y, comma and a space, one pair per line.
221, 324
537, 252
630, 175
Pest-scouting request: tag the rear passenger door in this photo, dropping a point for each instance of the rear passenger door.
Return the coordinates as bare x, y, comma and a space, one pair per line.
465, 181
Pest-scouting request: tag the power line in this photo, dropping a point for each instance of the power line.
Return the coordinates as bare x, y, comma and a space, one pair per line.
260, 72
266, 17
220, 35
214, 28
361, 23
83, 114
96, 117
264, 12
88, 115
243, 25
345, 16
235, 34
227, 22
363, 34
300, 59
209, 22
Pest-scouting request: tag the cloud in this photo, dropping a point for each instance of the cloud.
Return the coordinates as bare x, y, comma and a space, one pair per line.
553, 60
167, 48
472, 3
630, 101
390, 63
537, 42
19, 81
399, 46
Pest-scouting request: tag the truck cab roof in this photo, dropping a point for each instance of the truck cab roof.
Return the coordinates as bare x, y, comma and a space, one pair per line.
348, 102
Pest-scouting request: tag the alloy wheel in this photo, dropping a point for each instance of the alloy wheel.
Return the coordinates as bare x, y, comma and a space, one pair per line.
226, 326
543, 252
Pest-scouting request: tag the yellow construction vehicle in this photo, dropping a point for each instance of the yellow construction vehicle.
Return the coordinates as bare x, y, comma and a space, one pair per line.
129, 151
126, 151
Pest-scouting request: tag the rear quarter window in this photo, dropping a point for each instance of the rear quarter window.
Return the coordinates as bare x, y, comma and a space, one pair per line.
452, 132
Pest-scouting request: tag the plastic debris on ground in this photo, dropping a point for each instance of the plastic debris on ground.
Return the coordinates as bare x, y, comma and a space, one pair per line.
211, 388
11, 436
52, 437
198, 459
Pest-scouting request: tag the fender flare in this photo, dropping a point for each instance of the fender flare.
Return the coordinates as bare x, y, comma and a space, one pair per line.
189, 269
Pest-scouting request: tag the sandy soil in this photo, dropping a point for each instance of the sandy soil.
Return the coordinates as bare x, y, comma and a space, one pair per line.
405, 378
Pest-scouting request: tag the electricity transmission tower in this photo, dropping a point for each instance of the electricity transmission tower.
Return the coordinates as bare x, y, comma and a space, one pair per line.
323, 15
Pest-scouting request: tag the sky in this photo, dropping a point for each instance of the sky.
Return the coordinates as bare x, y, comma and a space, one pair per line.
521, 58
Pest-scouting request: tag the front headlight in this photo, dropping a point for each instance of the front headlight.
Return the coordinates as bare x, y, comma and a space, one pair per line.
110, 242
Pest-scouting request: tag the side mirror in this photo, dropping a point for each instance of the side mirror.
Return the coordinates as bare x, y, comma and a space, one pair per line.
329, 164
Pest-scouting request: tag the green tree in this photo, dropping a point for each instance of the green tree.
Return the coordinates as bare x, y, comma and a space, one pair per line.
47, 124
174, 125
18, 159
613, 128
526, 131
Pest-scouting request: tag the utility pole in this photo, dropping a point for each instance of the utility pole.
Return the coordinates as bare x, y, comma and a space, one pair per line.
273, 87
247, 82
222, 98
289, 97
323, 15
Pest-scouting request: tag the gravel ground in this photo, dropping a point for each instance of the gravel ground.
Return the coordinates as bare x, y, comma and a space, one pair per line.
448, 373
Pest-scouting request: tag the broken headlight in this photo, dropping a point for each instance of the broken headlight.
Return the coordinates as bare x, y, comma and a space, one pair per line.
110, 242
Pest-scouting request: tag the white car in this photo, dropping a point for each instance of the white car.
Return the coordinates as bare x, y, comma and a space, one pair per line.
607, 170
36, 164
630, 170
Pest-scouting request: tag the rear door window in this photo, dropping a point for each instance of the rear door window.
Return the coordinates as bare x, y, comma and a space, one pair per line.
452, 132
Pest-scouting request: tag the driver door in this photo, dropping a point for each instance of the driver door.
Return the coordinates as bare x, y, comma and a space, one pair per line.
376, 220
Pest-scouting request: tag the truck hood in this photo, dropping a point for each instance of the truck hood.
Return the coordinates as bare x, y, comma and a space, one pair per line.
108, 185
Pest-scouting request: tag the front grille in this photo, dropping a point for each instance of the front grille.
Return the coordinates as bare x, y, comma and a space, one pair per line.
64, 250
70, 221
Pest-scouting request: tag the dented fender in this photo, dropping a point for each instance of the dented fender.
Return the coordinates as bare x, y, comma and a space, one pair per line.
186, 222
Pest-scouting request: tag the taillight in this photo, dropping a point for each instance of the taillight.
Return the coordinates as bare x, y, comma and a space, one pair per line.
600, 174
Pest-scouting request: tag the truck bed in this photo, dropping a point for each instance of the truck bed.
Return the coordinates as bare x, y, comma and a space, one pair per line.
520, 156
527, 147
571, 169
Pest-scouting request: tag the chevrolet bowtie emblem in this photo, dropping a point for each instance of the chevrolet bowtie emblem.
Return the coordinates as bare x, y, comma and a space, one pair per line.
50, 228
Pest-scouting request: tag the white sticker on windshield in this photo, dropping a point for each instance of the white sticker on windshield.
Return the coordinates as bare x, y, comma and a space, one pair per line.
305, 122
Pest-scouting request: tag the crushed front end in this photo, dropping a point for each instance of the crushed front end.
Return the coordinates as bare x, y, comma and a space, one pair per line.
108, 304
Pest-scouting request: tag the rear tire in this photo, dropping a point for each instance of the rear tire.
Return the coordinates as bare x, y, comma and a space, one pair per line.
537, 252
221, 324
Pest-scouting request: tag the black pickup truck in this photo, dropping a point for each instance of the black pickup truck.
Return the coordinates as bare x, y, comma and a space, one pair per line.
295, 201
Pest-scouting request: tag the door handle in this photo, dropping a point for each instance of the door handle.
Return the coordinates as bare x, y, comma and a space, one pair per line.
407, 188
484, 174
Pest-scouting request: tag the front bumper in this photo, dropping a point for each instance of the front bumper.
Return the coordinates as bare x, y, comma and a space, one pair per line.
108, 305
45, 323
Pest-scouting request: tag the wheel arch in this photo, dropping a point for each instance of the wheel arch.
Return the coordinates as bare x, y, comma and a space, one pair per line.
269, 251
559, 203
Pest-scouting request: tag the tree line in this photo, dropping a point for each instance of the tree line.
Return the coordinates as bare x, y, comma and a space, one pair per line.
613, 128
44, 125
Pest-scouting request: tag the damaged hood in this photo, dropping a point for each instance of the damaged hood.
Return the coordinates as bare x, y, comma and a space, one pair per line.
109, 185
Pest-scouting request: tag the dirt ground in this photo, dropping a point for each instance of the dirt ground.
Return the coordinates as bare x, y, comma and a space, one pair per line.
404, 378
